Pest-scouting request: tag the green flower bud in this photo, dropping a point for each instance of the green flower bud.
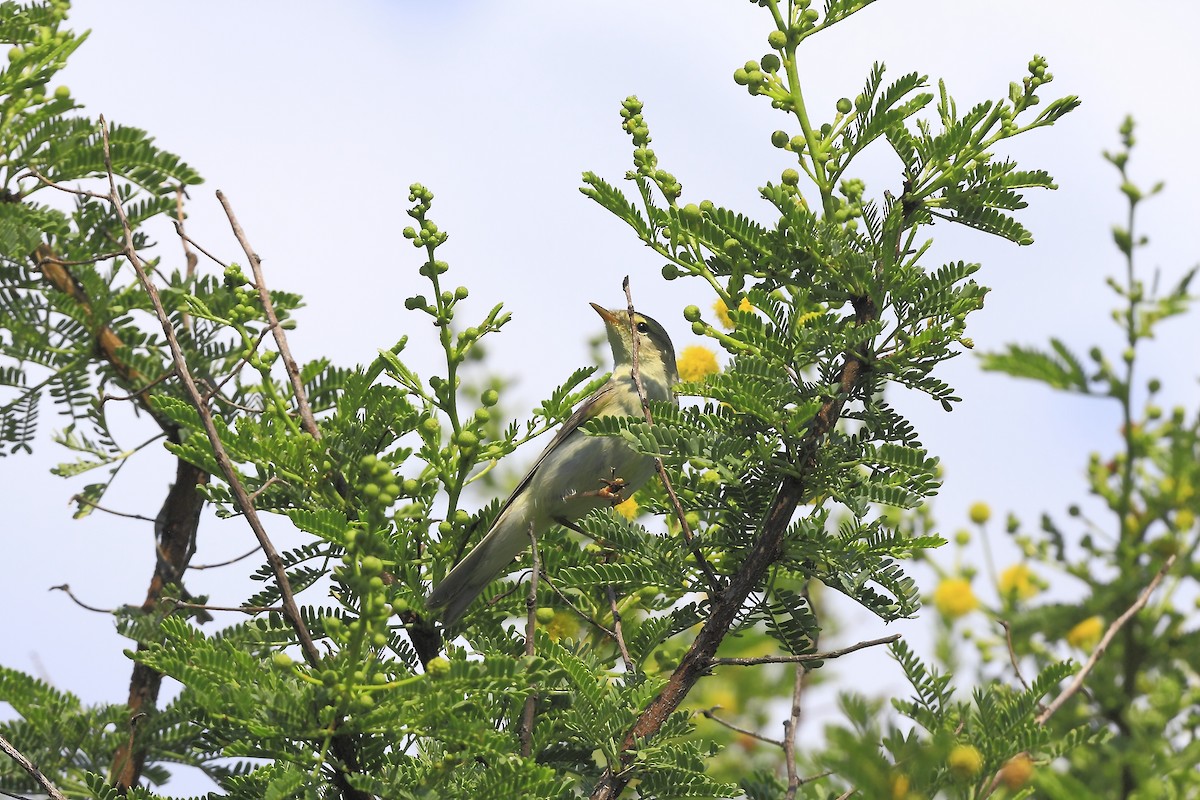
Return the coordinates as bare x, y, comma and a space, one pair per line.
62, 93
691, 213
844, 106
545, 615
490, 397
790, 177
692, 313
670, 272
282, 660
779, 139
777, 40
699, 328
437, 667
740, 76
371, 565
770, 62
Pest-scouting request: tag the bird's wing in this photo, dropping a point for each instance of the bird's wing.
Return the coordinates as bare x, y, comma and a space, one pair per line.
588, 408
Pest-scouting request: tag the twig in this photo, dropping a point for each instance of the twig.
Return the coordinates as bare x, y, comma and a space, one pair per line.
65, 588
789, 733
117, 398
214, 389
1077, 683
1012, 653
583, 614
290, 610
189, 256
247, 554
33, 172
268, 482
193, 243
531, 607
713, 582
27, 765
177, 603
710, 713
264, 295
801, 659
85, 501
617, 632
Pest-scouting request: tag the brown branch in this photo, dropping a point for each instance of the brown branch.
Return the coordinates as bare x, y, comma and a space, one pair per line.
264, 295
582, 614
291, 612
234, 560
790, 725
710, 713
531, 607
766, 549
27, 765
618, 634
66, 589
189, 240
1012, 652
714, 583
88, 502
1077, 683
253, 610
802, 659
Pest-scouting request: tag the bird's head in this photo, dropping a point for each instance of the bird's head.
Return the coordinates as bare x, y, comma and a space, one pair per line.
656, 355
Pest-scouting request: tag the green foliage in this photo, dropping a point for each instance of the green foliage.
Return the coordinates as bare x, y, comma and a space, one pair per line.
347, 694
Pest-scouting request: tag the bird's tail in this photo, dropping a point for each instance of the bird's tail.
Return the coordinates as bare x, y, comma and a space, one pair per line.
487, 560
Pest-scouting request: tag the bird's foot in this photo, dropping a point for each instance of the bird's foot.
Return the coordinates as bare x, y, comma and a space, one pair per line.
611, 491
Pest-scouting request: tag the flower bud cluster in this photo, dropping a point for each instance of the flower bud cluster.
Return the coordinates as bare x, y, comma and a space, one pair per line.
644, 160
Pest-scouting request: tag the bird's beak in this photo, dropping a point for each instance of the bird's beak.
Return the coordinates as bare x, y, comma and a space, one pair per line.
606, 315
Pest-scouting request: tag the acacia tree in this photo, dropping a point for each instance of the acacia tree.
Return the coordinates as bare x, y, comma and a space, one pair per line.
772, 477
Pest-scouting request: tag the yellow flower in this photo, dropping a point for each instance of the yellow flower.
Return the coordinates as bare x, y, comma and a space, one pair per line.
723, 312
979, 512
964, 761
1017, 771
696, 363
1019, 582
1086, 635
629, 509
954, 598
562, 626
899, 786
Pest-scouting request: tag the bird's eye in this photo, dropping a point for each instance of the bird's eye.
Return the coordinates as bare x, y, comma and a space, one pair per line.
642, 327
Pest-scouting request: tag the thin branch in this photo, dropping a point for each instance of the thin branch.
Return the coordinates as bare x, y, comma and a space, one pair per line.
618, 634
135, 395
27, 765
531, 607
87, 502
253, 610
790, 725
32, 172
582, 614
710, 713
214, 389
805, 658
65, 588
245, 555
290, 610
713, 582
189, 256
1077, 683
307, 420
268, 482
1012, 653
193, 243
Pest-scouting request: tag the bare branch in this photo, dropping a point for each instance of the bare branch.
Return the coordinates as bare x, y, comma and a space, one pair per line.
714, 583
290, 610
66, 589
35, 773
710, 713
801, 659
618, 634
247, 554
531, 607
264, 295
1077, 684
1012, 653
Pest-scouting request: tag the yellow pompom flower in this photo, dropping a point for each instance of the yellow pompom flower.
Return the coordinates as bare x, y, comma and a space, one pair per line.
629, 509
1017, 771
954, 598
979, 512
696, 363
1086, 635
723, 312
1018, 581
964, 761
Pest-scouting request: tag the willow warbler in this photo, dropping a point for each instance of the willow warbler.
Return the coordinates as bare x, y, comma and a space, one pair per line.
576, 472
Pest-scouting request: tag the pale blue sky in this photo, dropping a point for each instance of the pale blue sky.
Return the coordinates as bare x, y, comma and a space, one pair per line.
313, 118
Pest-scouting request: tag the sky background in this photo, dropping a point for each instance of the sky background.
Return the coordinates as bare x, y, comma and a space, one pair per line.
313, 119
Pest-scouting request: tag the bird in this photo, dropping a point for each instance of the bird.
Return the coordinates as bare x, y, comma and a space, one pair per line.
576, 473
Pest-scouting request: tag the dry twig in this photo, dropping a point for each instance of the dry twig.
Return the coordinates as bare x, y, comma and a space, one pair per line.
35, 773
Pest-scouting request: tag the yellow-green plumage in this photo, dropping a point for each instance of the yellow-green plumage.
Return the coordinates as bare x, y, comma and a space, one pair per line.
561, 484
